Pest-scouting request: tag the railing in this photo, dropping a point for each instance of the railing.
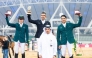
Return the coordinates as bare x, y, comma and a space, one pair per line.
6, 3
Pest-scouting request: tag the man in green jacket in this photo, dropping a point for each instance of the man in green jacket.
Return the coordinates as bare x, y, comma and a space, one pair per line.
65, 34
21, 35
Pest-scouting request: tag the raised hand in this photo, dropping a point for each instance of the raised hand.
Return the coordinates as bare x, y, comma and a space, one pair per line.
78, 13
29, 10
8, 13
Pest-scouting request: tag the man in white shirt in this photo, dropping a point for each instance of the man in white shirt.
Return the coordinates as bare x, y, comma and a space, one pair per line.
47, 44
40, 23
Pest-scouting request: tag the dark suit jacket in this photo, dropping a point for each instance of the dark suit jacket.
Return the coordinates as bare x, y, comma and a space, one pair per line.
20, 33
39, 25
65, 34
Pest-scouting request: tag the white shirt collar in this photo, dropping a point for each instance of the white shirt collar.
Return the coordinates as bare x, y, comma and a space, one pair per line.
64, 24
43, 21
21, 24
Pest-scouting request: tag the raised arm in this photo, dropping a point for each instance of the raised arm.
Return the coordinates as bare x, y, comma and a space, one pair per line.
30, 20
10, 24
79, 22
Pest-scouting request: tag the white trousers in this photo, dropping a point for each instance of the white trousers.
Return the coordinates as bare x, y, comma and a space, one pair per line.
19, 45
37, 43
69, 47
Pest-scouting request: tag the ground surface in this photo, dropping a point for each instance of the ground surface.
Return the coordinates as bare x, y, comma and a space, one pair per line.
86, 53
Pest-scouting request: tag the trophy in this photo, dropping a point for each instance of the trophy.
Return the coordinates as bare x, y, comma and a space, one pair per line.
77, 12
29, 10
8, 13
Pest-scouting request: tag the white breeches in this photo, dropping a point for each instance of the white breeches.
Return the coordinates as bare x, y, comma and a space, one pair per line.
19, 45
69, 47
37, 44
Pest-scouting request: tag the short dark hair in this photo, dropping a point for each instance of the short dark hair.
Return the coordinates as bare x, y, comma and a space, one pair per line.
21, 17
43, 12
64, 16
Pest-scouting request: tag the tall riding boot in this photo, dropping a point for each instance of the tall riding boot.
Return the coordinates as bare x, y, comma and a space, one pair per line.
62, 57
23, 55
16, 55
38, 55
71, 56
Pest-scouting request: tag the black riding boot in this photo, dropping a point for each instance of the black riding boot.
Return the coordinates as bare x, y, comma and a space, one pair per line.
38, 55
71, 56
23, 55
62, 57
16, 55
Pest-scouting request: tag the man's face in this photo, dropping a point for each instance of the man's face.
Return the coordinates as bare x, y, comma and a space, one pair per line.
21, 21
47, 30
63, 19
43, 16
